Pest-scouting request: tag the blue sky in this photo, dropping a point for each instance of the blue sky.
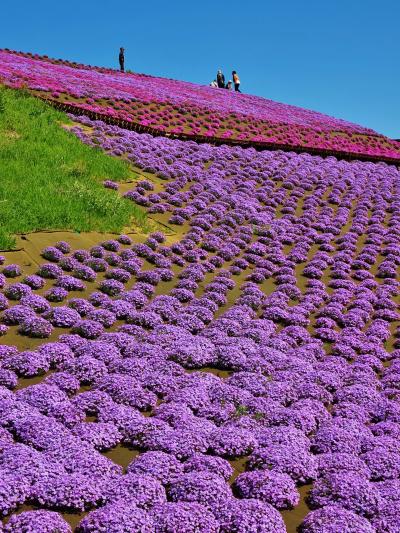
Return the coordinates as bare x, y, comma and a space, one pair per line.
339, 57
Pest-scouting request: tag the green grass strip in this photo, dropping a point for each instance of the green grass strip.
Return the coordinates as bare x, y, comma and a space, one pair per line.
49, 180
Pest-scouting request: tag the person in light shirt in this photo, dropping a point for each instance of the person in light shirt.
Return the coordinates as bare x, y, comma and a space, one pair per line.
236, 81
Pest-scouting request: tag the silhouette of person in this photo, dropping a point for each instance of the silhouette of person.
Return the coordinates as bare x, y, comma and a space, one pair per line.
220, 79
122, 59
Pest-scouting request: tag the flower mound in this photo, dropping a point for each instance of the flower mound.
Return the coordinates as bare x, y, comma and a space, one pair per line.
13, 491
184, 517
35, 327
160, 465
118, 517
353, 492
204, 487
243, 516
75, 492
144, 491
277, 489
37, 522
335, 519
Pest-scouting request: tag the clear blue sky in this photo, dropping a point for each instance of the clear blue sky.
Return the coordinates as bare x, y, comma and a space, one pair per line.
340, 57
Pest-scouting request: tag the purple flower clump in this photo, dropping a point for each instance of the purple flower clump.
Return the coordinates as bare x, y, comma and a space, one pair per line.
63, 317
185, 517
109, 184
51, 253
143, 490
111, 287
204, 488
50, 271
335, 519
39, 521
160, 465
272, 487
247, 515
351, 491
34, 281
116, 518
88, 329
56, 294
35, 327
12, 271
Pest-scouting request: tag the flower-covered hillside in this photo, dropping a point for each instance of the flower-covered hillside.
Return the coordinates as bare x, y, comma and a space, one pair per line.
185, 109
250, 362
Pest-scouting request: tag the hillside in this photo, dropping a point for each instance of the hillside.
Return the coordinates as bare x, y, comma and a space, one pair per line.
186, 110
235, 371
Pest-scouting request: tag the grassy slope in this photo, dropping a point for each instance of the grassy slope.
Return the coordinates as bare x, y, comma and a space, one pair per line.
49, 179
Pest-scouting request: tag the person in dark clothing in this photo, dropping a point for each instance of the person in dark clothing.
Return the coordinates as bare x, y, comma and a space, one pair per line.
220, 79
122, 59
236, 81
229, 85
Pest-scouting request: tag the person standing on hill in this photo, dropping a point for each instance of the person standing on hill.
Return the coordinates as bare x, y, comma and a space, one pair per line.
220, 79
236, 81
122, 59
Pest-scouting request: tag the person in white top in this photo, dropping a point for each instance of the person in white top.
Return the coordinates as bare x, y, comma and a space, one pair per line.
236, 81
214, 83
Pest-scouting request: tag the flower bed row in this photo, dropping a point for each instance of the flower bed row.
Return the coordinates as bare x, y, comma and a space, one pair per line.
284, 281
184, 109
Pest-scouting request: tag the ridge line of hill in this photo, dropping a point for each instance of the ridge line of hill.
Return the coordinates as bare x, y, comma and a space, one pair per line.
252, 121
258, 145
109, 70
